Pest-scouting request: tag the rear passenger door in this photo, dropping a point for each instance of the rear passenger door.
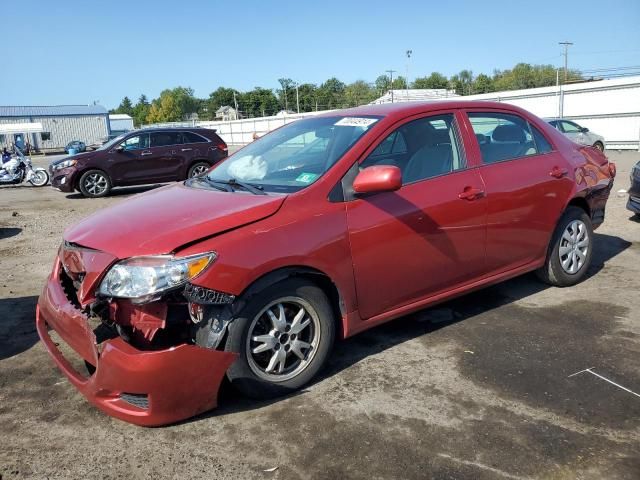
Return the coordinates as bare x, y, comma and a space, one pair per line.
428, 236
167, 156
527, 184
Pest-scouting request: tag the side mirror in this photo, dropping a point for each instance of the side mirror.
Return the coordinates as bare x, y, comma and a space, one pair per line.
584, 129
378, 178
119, 149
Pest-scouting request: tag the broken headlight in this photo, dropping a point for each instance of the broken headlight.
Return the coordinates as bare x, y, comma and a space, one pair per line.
140, 277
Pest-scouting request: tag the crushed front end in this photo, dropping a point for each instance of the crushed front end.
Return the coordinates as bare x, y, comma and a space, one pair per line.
143, 362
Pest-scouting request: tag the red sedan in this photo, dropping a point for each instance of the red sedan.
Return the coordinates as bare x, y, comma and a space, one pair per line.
323, 228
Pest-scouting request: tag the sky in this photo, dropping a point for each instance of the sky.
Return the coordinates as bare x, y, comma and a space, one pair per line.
77, 52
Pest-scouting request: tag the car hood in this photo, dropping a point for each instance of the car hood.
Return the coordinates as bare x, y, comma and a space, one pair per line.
162, 220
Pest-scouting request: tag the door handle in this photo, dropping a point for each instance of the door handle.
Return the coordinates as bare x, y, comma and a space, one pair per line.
470, 193
187, 149
146, 152
558, 172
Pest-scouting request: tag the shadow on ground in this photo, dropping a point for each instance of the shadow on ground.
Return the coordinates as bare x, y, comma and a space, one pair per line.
17, 325
8, 232
352, 350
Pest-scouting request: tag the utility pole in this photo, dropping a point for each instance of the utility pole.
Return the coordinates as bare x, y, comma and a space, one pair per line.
235, 103
406, 80
297, 98
566, 52
391, 72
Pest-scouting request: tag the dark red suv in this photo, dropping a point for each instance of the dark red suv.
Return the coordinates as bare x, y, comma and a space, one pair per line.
137, 158
323, 228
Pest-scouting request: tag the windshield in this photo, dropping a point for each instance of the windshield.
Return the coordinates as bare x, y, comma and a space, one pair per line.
112, 142
294, 156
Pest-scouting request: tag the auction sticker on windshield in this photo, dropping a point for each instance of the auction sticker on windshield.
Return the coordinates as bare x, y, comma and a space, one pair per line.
306, 177
356, 122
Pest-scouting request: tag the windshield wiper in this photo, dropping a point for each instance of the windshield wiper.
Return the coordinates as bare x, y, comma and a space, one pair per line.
211, 183
232, 182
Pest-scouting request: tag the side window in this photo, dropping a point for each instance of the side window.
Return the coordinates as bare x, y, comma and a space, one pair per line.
502, 136
423, 148
162, 139
191, 137
137, 142
542, 144
570, 127
394, 144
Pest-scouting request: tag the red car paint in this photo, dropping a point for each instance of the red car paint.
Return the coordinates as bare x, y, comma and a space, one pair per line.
474, 227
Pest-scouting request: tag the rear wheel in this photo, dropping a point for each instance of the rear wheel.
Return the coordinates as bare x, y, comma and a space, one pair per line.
283, 338
198, 168
570, 251
599, 146
94, 183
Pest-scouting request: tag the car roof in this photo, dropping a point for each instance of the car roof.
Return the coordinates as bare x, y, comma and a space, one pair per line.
403, 109
172, 129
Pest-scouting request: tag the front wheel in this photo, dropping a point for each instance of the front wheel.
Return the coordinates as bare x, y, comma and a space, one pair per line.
94, 184
569, 254
198, 168
599, 146
39, 178
283, 337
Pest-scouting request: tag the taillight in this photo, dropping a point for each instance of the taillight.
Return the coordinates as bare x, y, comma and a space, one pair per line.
222, 146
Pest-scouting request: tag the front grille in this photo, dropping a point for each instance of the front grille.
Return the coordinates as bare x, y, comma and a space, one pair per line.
201, 295
139, 400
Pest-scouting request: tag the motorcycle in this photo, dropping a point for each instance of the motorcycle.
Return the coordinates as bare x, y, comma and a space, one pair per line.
22, 171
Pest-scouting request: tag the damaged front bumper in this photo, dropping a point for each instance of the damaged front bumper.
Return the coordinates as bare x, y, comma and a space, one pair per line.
145, 387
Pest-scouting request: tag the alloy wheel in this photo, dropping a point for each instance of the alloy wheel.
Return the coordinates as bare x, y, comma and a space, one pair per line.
95, 184
574, 246
283, 339
198, 170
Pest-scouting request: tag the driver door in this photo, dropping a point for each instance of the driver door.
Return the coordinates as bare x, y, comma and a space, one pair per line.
130, 164
425, 238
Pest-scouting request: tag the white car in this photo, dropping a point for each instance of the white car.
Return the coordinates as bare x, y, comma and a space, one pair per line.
578, 134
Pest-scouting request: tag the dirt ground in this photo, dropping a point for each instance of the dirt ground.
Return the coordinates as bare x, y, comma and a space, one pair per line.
477, 388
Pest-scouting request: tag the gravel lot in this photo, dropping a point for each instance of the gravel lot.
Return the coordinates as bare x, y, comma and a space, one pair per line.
476, 388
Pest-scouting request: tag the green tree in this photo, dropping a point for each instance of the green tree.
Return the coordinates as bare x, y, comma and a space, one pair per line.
258, 102
221, 97
141, 110
331, 94
382, 84
359, 93
287, 94
125, 107
399, 83
435, 80
483, 84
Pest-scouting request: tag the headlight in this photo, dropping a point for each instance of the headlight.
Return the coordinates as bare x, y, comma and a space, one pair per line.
65, 164
141, 277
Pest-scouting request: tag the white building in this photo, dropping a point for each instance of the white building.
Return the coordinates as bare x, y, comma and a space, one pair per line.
120, 123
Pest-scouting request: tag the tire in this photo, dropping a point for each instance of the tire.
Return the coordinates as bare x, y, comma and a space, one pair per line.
40, 178
599, 146
575, 261
94, 184
198, 168
248, 373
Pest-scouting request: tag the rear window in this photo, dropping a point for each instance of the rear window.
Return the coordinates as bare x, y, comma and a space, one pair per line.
161, 139
191, 137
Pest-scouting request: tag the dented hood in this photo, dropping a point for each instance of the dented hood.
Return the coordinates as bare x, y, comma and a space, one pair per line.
162, 220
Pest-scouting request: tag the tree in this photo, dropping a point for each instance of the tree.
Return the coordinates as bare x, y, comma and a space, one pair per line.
220, 98
435, 80
483, 84
359, 93
399, 83
382, 84
125, 107
287, 93
331, 94
141, 110
258, 102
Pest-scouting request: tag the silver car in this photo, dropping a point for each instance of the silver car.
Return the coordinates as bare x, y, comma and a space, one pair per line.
578, 134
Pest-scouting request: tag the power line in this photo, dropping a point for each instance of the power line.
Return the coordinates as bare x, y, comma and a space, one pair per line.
566, 54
